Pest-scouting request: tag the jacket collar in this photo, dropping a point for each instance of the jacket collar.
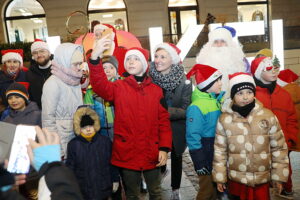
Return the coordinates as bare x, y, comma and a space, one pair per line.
197, 94
133, 83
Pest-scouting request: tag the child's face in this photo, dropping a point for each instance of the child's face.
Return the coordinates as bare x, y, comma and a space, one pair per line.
216, 87
243, 97
87, 130
16, 103
163, 61
134, 66
270, 75
13, 66
109, 70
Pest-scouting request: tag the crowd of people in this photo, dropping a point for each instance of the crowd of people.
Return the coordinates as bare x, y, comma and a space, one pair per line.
108, 127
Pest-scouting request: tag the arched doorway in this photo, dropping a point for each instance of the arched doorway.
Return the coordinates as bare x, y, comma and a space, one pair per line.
25, 21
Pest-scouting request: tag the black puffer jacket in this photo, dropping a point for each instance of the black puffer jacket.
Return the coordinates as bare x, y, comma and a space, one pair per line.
90, 161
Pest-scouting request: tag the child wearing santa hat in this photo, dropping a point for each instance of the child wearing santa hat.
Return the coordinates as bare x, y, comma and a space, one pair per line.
250, 150
202, 116
167, 71
279, 101
142, 131
12, 71
287, 80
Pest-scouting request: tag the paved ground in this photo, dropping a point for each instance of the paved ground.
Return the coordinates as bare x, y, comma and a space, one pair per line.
190, 186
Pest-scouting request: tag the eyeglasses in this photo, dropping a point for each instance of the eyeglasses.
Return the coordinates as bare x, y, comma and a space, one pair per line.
273, 69
42, 51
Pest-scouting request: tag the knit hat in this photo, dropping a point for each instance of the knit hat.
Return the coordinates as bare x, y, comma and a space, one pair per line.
12, 54
240, 81
220, 34
18, 90
260, 64
172, 49
265, 53
204, 75
39, 44
286, 76
112, 60
142, 54
86, 120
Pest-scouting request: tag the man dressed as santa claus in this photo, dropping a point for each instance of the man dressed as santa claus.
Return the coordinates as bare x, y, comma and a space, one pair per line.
224, 53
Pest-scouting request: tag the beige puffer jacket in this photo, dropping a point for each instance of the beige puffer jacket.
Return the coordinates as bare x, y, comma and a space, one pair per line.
251, 150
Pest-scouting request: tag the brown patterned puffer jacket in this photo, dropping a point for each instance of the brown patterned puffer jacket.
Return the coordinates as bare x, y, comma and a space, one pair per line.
250, 150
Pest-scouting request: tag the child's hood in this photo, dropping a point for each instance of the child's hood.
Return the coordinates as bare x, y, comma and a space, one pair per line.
64, 52
85, 111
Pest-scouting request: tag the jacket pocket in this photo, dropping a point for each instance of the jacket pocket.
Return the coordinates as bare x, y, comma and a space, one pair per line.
122, 149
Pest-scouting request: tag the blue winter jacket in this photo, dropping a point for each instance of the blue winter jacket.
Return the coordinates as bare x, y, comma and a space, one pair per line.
202, 117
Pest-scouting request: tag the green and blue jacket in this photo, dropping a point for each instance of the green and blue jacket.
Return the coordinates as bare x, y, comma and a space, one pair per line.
201, 120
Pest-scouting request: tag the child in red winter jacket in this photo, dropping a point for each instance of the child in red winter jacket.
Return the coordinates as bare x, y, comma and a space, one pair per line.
279, 101
142, 131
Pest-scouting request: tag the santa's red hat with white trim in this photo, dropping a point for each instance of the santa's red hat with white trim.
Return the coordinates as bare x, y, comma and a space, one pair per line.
240, 81
39, 44
205, 76
172, 49
142, 54
12, 54
259, 65
286, 76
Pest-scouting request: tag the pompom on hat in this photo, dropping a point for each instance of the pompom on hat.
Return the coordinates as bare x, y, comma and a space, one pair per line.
172, 49
204, 76
240, 81
286, 76
260, 64
39, 44
142, 54
12, 54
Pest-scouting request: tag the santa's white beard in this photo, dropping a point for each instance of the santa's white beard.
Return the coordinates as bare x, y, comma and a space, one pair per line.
227, 59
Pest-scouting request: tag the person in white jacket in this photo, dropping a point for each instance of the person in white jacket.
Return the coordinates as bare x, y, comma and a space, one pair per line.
62, 92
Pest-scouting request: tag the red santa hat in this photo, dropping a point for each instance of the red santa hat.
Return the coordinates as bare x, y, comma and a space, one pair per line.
39, 44
204, 75
12, 54
142, 54
240, 81
286, 76
220, 33
260, 64
172, 49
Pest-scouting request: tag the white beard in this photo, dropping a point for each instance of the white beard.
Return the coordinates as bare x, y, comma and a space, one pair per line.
227, 59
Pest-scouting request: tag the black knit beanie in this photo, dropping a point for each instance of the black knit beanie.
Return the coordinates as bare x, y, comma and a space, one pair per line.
241, 86
18, 90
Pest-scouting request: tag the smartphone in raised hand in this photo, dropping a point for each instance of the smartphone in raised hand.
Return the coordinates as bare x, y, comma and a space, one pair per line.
19, 161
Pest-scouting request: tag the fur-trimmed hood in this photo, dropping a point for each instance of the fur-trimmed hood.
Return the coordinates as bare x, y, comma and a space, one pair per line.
85, 111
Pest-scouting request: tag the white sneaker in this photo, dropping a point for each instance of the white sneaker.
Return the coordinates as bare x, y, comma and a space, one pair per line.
175, 195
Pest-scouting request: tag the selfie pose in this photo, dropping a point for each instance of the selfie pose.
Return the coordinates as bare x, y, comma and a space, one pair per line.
142, 132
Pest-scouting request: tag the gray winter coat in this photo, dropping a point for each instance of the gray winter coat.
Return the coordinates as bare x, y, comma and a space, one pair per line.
31, 115
181, 99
